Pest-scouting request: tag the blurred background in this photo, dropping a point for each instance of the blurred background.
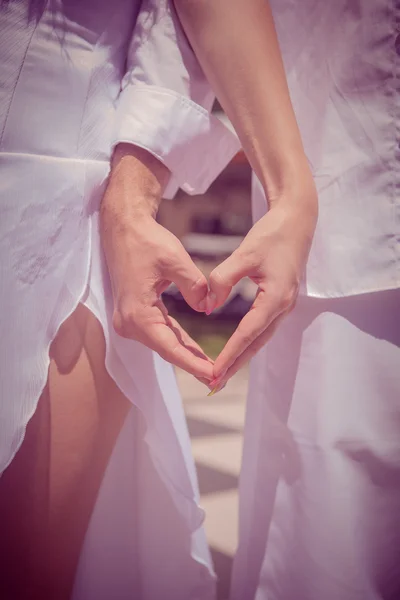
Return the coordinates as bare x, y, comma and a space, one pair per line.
210, 227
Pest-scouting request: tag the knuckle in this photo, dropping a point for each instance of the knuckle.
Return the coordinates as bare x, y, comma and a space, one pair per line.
285, 301
199, 285
252, 259
119, 324
288, 297
167, 254
125, 323
166, 257
216, 278
220, 284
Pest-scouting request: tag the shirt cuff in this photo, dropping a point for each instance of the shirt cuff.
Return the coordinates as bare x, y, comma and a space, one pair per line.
194, 144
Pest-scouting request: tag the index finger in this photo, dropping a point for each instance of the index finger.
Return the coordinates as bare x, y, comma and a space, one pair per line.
187, 341
164, 341
264, 310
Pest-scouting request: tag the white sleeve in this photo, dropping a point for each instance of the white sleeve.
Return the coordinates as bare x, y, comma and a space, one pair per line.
165, 103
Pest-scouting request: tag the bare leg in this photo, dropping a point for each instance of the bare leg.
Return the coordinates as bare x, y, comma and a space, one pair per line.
48, 492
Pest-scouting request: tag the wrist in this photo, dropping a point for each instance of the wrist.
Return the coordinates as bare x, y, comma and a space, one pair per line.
291, 184
137, 180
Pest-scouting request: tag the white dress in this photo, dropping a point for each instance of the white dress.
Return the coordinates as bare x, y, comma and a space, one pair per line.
76, 77
320, 482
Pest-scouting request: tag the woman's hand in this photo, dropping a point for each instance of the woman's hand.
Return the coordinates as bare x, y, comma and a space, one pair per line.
273, 255
143, 258
237, 46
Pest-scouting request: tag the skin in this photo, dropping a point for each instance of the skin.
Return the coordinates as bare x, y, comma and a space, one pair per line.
236, 44
81, 411
144, 258
48, 492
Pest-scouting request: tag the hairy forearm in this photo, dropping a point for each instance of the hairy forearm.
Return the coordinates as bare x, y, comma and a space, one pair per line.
137, 180
236, 43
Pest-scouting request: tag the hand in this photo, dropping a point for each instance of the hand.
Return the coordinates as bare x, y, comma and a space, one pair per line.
273, 255
143, 258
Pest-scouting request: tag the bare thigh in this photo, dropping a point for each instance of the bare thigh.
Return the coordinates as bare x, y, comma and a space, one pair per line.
48, 492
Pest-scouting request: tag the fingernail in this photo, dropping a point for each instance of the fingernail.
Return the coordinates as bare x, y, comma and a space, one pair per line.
216, 389
203, 305
211, 301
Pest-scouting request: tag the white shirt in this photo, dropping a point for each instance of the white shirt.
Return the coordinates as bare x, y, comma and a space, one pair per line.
77, 77
343, 67
120, 71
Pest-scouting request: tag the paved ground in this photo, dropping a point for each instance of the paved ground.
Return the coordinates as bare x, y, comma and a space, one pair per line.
216, 426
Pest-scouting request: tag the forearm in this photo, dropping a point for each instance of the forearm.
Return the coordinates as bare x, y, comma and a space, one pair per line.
165, 101
236, 43
138, 181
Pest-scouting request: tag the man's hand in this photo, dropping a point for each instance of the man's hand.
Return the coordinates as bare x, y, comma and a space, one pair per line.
143, 258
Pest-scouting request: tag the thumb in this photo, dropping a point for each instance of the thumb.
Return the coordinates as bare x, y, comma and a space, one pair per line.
222, 280
190, 281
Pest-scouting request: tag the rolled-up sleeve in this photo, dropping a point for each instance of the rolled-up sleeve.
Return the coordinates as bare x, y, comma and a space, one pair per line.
165, 103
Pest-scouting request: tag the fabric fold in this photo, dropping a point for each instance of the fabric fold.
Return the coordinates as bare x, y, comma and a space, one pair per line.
193, 143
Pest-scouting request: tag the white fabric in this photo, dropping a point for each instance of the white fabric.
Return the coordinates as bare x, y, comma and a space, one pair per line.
342, 60
137, 545
63, 65
320, 481
192, 126
330, 530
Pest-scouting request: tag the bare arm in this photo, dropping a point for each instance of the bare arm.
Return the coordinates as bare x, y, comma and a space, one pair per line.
236, 43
